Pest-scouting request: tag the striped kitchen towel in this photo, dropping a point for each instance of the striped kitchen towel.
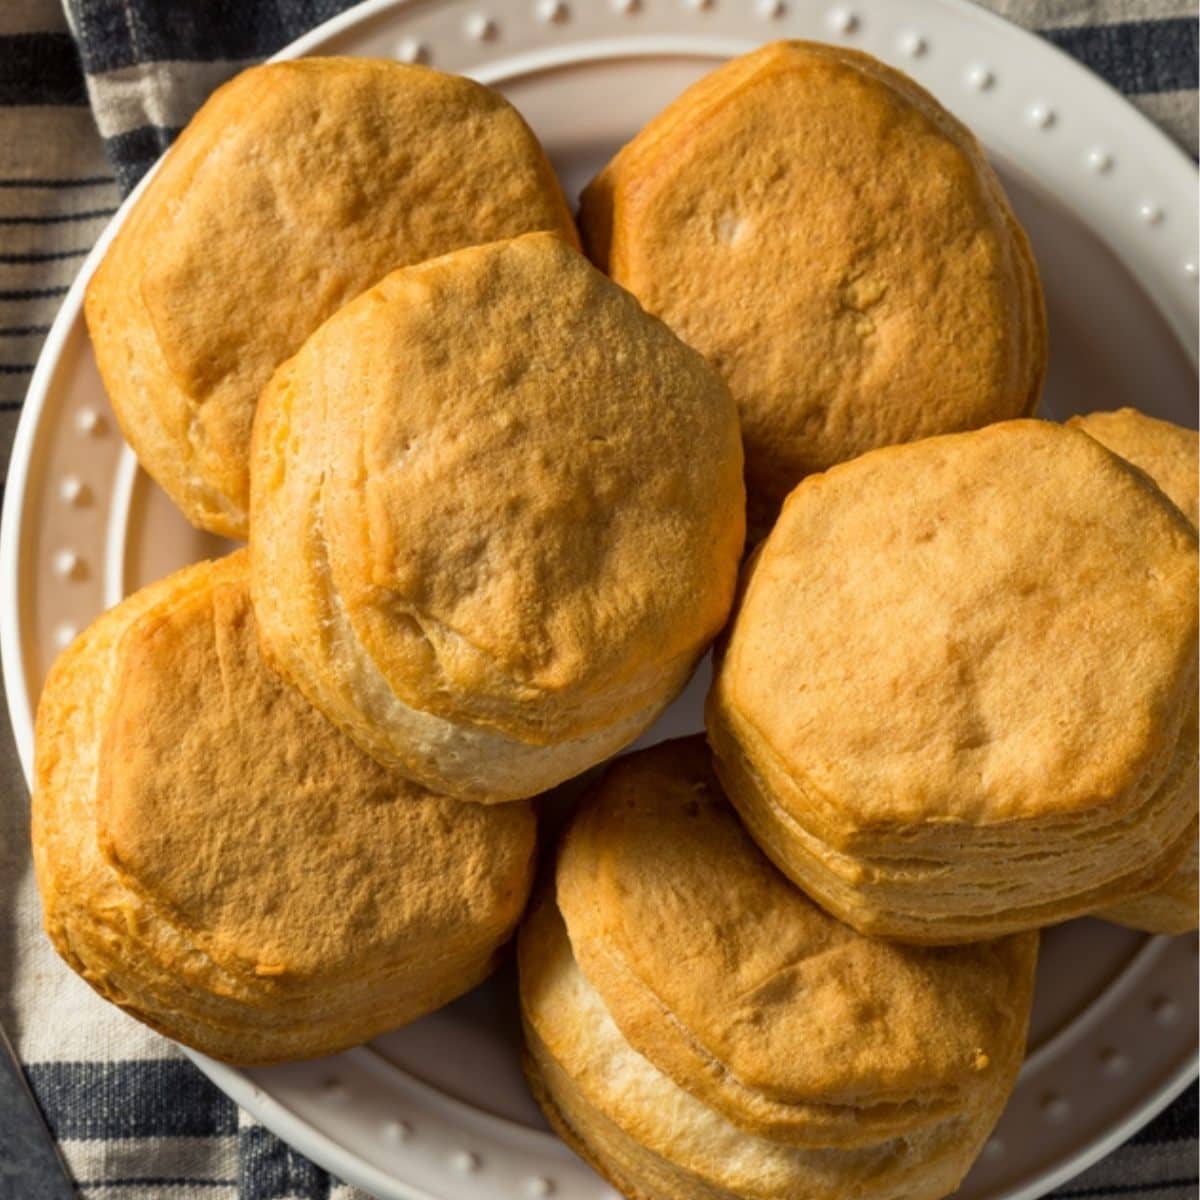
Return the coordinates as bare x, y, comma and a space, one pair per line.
88, 99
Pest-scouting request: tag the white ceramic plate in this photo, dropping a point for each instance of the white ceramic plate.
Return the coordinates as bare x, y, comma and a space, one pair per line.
437, 1111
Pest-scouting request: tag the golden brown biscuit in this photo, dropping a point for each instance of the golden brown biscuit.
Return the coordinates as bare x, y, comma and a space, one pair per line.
497, 513
836, 244
953, 699
296, 186
697, 1027
221, 862
1170, 455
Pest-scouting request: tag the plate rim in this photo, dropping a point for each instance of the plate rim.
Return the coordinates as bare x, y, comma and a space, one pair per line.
273, 1113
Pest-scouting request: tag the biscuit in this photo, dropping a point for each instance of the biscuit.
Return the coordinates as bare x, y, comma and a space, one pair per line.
697, 1027
217, 859
835, 243
1170, 455
497, 514
953, 699
296, 186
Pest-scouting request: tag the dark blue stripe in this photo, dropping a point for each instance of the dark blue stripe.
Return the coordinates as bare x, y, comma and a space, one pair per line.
16, 368
85, 181
1123, 1189
58, 218
51, 256
40, 68
1136, 56
269, 1170
134, 152
22, 330
34, 293
118, 33
153, 1099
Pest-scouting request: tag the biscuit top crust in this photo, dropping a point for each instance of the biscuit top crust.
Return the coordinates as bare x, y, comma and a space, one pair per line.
835, 243
224, 797
528, 490
985, 627
1168, 453
657, 876
297, 185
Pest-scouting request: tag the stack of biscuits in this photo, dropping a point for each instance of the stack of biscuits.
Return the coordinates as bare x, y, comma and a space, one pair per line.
498, 499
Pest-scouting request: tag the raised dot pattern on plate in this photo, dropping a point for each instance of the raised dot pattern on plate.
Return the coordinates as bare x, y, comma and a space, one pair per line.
68, 565
410, 50
842, 20
1113, 1061
74, 491
480, 28
88, 421
397, 1131
979, 77
1040, 115
466, 1162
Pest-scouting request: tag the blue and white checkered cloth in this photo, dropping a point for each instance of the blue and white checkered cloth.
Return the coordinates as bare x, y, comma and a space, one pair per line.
88, 99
